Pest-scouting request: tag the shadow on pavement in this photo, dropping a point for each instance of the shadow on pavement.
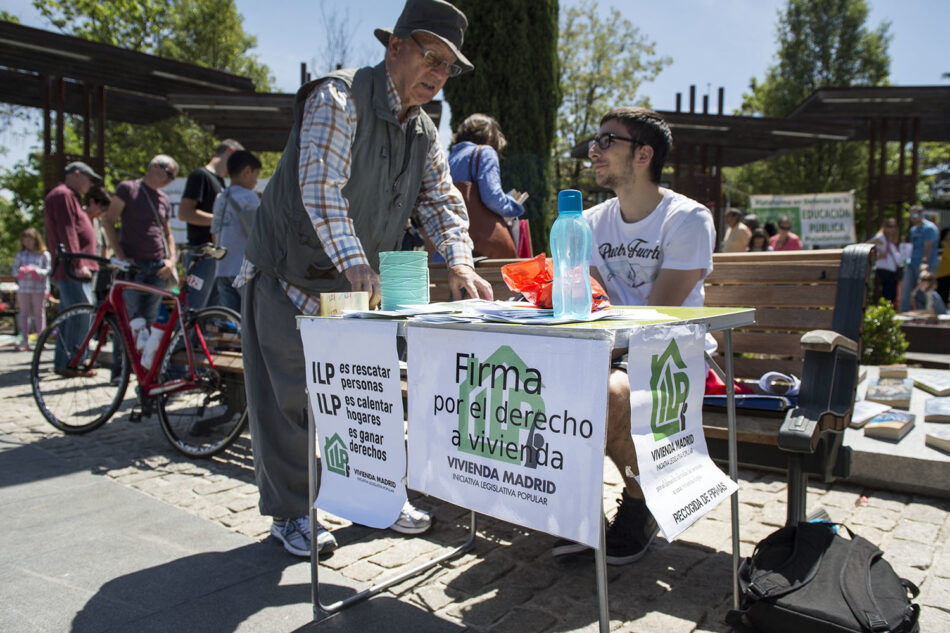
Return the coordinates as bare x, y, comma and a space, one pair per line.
253, 588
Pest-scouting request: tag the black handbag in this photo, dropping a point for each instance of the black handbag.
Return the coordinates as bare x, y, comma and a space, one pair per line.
809, 578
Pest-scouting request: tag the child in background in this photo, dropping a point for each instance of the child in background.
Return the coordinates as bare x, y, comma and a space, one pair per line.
233, 217
925, 295
31, 267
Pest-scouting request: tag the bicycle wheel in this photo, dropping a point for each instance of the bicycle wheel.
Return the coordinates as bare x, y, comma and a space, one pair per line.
79, 398
205, 420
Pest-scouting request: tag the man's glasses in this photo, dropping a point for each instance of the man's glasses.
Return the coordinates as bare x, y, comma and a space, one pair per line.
432, 60
604, 140
168, 171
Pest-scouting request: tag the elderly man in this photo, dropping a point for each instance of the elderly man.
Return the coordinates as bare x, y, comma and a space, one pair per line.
146, 234
361, 159
737, 234
67, 225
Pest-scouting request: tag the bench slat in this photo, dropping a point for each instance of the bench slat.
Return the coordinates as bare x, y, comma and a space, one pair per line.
777, 343
798, 272
812, 296
802, 319
777, 257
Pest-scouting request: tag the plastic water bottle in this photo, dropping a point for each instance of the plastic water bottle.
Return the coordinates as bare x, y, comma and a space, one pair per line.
139, 332
570, 248
151, 345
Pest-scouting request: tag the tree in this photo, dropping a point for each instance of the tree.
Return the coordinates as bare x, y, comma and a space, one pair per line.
515, 81
203, 32
820, 43
604, 60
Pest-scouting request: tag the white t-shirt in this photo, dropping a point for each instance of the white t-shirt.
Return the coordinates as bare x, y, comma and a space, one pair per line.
678, 235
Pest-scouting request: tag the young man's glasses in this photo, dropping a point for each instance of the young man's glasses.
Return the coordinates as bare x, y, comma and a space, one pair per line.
604, 140
432, 60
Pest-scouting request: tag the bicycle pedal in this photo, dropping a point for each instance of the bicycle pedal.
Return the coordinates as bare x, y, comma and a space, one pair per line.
135, 416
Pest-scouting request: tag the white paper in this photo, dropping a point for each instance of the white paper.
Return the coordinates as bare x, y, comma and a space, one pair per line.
497, 424
864, 410
356, 398
666, 370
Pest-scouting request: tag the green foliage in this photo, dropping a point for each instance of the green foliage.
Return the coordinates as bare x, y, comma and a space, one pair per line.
820, 43
516, 81
604, 60
12, 223
882, 341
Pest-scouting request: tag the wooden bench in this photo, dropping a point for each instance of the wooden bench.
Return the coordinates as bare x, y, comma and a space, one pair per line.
794, 293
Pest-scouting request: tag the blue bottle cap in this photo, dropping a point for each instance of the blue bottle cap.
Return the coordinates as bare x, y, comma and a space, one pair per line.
570, 201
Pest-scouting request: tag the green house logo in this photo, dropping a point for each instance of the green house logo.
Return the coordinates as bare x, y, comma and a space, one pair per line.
669, 385
336, 456
499, 385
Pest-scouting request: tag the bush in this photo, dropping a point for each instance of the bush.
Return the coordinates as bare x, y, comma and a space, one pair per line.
882, 340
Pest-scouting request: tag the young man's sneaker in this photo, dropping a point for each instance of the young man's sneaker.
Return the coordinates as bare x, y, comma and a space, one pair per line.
627, 536
630, 532
412, 520
295, 535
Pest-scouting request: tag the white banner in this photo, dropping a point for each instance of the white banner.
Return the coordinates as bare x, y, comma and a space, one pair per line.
667, 371
356, 399
511, 426
820, 219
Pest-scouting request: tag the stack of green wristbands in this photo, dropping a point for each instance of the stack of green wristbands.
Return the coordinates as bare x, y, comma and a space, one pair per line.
403, 278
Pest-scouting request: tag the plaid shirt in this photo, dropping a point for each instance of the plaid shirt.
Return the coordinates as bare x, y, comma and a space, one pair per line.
27, 283
326, 137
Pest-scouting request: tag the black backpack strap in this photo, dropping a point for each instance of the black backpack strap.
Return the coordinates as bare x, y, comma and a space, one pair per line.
856, 585
811, 542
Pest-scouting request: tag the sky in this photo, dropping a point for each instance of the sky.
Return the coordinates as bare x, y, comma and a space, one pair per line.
712, 43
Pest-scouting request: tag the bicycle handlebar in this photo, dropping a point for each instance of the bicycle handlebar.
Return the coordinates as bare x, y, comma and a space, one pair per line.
65, 256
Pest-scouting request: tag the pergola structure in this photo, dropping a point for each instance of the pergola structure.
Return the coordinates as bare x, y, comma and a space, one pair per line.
704, 143
69, 75
63, 74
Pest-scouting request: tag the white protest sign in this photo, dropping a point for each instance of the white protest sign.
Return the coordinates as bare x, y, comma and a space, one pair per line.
356, 399
510, 425
667, 379
820, 219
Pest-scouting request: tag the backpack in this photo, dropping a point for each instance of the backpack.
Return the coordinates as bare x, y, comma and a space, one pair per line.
807, 577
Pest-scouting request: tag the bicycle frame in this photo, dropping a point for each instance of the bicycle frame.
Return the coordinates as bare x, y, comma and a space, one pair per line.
114, 304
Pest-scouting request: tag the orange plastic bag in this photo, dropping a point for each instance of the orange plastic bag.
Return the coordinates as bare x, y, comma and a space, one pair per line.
534, 278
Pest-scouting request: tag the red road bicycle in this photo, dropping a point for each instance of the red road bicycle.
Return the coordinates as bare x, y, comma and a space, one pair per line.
195, 380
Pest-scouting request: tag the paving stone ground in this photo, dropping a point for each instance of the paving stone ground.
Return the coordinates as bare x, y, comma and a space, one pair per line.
509, 581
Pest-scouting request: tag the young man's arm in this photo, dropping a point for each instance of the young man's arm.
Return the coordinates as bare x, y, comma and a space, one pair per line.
673, 286
188, 209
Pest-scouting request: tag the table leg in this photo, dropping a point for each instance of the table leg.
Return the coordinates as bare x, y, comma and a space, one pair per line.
733, 462
600, 568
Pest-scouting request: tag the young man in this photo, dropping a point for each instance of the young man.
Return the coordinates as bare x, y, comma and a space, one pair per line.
651, 246
196, 208
334, 202
924, 239
146, 233
234, 213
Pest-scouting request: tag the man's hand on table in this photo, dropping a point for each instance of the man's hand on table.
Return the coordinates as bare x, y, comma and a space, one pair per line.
363, 278
463, 277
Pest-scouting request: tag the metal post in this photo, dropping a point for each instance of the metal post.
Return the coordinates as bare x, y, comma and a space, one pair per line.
600, 569
312, 480
733, 461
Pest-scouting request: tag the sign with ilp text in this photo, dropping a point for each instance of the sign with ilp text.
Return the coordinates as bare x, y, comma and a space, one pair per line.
356, 398
667, 373
510, 425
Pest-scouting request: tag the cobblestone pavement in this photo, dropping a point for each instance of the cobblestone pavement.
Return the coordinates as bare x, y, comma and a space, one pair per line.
508, 582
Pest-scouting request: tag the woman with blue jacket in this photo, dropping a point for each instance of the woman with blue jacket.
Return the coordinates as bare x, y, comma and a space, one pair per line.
480, 131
